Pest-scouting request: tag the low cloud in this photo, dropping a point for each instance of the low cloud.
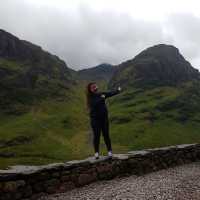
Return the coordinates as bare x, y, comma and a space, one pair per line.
84, 37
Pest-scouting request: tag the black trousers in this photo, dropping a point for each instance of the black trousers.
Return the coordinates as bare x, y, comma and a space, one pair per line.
100, 125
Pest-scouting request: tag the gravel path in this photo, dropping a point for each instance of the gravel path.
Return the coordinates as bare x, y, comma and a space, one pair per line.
179, 183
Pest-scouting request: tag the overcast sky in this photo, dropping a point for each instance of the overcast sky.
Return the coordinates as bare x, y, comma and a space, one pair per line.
86, 33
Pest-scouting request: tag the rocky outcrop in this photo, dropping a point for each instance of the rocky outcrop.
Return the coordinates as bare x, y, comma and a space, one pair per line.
13, 47
30, 182
158, 65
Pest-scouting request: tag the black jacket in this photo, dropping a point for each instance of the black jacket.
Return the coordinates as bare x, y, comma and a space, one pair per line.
98, 107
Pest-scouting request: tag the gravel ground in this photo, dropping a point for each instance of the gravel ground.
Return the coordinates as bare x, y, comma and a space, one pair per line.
179, 183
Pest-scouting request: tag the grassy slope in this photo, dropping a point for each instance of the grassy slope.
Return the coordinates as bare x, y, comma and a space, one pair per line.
54, 128
152, 118
60, 131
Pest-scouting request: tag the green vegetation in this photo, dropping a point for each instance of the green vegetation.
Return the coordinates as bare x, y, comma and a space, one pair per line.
56, 131
157, 117
52, 131
44, 118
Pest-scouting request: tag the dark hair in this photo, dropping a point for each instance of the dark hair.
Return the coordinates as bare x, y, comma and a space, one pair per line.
88, 94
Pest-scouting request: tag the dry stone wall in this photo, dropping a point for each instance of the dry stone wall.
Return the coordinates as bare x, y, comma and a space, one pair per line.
30, 182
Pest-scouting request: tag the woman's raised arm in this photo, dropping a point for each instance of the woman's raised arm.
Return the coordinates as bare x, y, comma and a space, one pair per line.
111, 93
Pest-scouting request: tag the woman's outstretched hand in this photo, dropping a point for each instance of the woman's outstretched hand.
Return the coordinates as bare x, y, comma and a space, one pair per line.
111, 93
119, 88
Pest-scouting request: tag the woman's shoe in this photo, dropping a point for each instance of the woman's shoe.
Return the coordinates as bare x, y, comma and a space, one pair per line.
110, 154
96, 155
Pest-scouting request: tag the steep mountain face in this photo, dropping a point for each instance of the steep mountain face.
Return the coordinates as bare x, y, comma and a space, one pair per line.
158, 65
28, 73
101, 72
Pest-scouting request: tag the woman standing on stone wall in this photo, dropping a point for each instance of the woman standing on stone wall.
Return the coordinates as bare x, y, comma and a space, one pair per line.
99, 115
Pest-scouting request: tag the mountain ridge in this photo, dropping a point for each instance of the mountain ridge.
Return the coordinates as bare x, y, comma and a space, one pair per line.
157, 65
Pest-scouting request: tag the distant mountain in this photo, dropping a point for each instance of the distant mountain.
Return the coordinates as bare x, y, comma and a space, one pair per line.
98, 73
159, 105
158, 65
28, 73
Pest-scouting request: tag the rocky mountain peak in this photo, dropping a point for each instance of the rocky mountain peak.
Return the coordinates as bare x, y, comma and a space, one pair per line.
158, 65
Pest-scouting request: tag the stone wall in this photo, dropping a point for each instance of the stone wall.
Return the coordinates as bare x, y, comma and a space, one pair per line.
30, 182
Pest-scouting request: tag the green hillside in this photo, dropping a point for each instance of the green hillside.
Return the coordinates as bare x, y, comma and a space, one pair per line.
52, 131
59, 131
160, 104
159, 117
44, 119
29, 74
